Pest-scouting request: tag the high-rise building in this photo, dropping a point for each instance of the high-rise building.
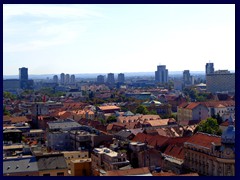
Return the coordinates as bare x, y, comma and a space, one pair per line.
110, 78
72, 79
100, 79
121, 78
23, 74
55, 78
161, 75
220, 81
67, 79
23, 77
62, 78
209, 68
187, 78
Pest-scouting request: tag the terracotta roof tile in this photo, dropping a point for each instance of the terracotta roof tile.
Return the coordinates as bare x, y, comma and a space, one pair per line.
204, 140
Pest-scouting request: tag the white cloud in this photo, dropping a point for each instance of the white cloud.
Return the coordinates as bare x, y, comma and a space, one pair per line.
42, 26
49, 11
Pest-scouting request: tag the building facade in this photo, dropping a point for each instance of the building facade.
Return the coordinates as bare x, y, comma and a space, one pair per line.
106, 159
161, 75
55, 79
110, 78
100, 79
121, 78
209, 68
211, 155
221, 81
192, 111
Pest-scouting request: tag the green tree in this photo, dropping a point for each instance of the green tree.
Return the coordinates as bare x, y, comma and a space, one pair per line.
111, 119
6, 112
209, 126
9, 95
142, 110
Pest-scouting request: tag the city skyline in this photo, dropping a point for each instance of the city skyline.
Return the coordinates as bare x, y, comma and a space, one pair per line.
75, 39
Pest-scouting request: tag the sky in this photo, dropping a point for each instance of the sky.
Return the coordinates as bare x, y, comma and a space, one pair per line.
81, 38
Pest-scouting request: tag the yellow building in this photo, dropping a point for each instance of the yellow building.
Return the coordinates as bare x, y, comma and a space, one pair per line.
81, 167
74, 155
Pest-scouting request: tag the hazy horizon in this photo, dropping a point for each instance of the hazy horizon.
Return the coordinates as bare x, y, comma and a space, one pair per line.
98, 38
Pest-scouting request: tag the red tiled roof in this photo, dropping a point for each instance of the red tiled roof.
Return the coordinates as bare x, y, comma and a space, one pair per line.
204, 140
175, 151
154, 141
219, 103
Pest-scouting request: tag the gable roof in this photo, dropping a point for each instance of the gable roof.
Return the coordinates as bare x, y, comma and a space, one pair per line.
17, 165
175, 151
204, 140
154, 141
51, 162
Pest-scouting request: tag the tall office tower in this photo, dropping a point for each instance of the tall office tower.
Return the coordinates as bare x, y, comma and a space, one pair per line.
161, 75
55, 79
209, 68
67, 79
121, 78
23, 77
62, 78
100, 79
186, 77
72, 79
110, 78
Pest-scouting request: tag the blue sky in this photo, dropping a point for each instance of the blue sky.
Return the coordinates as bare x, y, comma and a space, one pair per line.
51, 39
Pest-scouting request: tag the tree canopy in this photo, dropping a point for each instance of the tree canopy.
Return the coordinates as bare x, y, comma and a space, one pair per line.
209, 126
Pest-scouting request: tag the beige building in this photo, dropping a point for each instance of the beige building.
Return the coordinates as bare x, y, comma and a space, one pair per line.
192, 111
74, 155
211, 155
106, 159
52, 165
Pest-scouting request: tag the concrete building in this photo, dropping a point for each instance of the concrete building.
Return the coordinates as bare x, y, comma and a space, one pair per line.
11, 85
121, 78
72, 79
100, 79
58, 136
67, 79
221, 81
188, 80
211, 155
110, 78
106, 159
55, 79
161, 75
62, 78
23, 78
209, 68
74, 155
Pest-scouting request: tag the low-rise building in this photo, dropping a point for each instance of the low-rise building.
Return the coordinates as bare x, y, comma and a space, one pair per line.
211, 155
192, 111
81, 167
106, 159
20, 166
52, 165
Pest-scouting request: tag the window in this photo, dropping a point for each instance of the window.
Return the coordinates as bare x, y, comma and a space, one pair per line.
46, 174
60, 174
